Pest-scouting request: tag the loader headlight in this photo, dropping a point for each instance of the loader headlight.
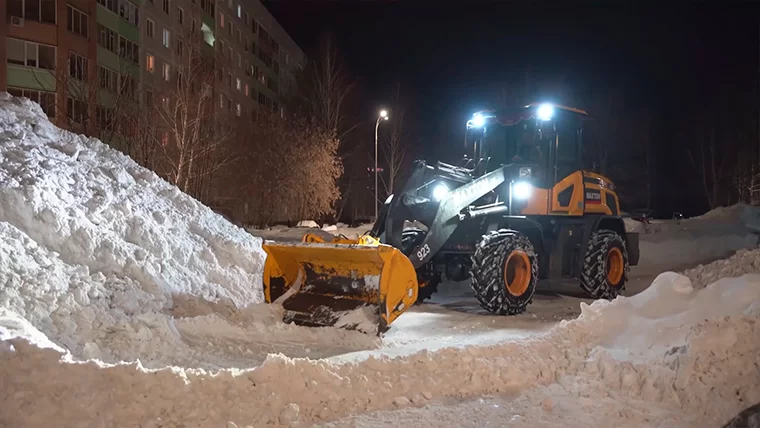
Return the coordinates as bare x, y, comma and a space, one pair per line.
440, 191
545, 111
524, 172
522, 190
478, 120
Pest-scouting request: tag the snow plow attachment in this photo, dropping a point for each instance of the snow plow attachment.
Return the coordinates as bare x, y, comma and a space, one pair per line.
339, 284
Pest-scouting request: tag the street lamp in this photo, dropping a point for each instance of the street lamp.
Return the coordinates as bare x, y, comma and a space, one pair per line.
383, 116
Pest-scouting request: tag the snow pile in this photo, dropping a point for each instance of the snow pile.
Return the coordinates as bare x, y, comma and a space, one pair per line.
743, 262
672, 345
112, 263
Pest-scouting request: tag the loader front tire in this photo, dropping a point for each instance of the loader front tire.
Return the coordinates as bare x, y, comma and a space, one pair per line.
605, 267
504, 272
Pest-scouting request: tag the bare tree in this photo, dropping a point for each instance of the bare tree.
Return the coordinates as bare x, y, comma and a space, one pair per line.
91, 101
191, 132
287, 170
394, 144
704, 158
330, 85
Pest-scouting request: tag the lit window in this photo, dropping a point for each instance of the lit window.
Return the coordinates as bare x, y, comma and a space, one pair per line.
239, 11
237, 84
221, 19
150, 63
238, 109
167, 38
246, 89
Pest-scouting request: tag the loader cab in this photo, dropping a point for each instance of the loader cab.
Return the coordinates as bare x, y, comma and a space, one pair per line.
543, 141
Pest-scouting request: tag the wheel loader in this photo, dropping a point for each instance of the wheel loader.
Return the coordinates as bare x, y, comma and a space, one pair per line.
518, 208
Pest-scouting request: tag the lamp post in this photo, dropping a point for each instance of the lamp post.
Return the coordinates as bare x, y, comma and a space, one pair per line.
383, 116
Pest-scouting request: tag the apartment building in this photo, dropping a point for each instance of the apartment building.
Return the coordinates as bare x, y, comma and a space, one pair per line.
77, 57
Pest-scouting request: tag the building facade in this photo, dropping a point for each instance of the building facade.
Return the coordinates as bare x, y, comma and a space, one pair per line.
78, 57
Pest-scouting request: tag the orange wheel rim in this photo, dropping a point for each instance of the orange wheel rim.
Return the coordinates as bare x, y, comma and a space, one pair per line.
615, 266
517, 273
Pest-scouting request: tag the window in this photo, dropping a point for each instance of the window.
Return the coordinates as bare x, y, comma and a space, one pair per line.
180, 47
209, 7
239, 11
128, 12
221, 19
33, 10
240, 60
166, 72
109, 79
237, 84
128, 85
164, 138
31, 54
150, 63
149, 98
112, 5
77, 110
46, 100
150, 28
246, 89
180, 15
262, 99
76, 21
193, 25
247, 19
229, 51
221, 101
237, 109
229, 80
239, 36
129, 50
77, 66
230, 29
166, 6
104, 117
108, 38
167, 37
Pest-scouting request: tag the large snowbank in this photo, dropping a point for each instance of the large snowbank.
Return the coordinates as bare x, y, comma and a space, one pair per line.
111, 262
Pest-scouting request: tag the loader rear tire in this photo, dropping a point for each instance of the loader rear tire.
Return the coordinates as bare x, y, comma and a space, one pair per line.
410, 238
504, 272
605, 268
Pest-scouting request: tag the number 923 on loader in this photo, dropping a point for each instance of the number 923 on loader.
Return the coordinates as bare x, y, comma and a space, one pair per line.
520, 209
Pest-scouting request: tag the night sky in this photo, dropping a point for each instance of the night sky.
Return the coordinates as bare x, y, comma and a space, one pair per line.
448, 58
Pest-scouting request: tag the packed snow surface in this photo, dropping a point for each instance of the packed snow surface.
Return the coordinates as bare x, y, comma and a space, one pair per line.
127, 303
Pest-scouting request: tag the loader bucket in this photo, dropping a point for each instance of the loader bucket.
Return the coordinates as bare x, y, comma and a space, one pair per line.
319, 284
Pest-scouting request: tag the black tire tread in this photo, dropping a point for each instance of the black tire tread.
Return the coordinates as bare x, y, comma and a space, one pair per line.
594, 276
486, 273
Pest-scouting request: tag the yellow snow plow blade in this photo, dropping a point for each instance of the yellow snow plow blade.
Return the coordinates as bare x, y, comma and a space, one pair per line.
341, 285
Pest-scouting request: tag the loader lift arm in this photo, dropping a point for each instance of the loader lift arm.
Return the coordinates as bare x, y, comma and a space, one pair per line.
447, 214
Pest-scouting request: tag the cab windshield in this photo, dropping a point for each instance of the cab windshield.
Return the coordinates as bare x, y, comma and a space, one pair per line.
521, 143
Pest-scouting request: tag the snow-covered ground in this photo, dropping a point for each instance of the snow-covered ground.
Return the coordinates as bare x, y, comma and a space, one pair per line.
124, 302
